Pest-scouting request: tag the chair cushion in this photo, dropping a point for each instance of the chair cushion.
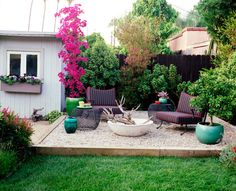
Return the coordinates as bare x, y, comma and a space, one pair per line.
178, 117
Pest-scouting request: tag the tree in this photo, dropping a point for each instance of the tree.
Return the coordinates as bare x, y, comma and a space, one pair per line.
193, 19
93, 38
71, 33
136, 35
166, 15
102, 68
213, 13
155, 8
228, 29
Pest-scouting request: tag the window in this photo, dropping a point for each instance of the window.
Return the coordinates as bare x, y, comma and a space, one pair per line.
20, 63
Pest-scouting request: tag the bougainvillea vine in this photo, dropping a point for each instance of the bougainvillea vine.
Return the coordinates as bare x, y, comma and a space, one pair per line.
70, 34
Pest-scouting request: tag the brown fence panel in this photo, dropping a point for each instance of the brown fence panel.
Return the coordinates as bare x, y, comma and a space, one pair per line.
188, 66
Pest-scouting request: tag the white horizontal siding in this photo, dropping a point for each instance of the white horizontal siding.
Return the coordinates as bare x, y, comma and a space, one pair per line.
51, 96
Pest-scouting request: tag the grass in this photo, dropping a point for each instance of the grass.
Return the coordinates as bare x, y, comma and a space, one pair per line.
85, 173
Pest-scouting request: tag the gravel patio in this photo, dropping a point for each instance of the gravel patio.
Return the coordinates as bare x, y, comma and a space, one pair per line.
166, 137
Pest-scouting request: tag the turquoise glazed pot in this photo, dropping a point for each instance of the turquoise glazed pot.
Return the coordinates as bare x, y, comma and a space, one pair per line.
209, 134
163, 100
72, 103
70, 124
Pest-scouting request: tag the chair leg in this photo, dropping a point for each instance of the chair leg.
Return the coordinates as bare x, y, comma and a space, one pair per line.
159, 126
185, 130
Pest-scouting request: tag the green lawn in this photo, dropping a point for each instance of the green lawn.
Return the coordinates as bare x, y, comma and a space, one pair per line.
44, 173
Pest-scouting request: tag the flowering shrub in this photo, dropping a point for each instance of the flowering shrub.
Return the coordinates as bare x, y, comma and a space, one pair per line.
228, 156
70, 33
14, 132
21, 79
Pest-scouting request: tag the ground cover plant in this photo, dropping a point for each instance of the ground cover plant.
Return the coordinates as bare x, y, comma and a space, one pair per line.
53, 116
120, 173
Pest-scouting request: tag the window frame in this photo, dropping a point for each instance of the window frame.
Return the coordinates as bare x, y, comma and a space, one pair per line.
23, 61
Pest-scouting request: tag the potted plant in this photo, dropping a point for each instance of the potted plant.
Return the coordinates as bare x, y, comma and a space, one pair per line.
215, 94
163, 97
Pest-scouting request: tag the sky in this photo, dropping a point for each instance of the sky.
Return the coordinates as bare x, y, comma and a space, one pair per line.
14, 14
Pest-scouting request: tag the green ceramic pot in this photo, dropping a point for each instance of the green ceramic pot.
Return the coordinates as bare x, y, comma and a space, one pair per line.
163, 100
72, 103
70, 124
209, 134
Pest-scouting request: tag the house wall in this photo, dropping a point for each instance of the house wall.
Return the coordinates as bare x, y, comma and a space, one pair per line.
52, 97
192, 40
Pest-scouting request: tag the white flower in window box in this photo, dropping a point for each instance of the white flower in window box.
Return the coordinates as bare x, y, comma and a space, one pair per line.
22, 84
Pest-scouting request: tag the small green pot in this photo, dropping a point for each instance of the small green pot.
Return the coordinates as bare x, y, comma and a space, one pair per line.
163, 100
70, 124
209, 134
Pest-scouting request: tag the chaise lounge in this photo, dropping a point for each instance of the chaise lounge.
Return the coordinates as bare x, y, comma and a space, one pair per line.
184, 114
103, 99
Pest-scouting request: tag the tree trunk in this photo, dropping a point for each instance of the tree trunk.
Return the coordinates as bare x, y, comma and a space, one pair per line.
44, 11
69, 2
31, 5
211, 120
55, 21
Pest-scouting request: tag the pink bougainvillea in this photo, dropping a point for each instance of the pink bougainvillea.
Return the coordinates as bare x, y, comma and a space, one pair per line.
70, 34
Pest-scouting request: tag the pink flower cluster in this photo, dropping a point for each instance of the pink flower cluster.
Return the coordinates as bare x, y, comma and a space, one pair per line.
70, 34
12, 119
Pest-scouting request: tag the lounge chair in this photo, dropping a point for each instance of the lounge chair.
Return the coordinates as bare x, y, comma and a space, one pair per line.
103, 99
184, 114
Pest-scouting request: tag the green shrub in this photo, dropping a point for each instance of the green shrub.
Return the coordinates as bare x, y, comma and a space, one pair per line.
184, 86
139, 87
53, 116
128, 88
8, 161
102, 68
216, 90
15, 132
165, 79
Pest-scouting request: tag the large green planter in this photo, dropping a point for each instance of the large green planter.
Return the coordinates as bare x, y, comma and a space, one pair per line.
209, 134
70, 124
72, 103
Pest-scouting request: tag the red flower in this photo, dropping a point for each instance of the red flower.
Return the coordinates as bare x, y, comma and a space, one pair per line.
234, 149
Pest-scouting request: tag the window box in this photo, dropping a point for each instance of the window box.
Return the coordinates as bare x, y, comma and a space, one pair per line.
21, 88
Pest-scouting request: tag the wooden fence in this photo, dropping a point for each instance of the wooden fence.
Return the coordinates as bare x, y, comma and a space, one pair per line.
188, 66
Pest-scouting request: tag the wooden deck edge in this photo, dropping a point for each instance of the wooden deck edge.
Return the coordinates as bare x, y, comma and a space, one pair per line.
74, 151
50, 129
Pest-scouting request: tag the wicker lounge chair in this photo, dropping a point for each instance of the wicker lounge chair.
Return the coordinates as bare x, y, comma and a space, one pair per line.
103, 99
184, 114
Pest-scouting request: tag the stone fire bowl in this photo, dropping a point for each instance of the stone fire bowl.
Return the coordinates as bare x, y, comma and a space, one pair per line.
131, 130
